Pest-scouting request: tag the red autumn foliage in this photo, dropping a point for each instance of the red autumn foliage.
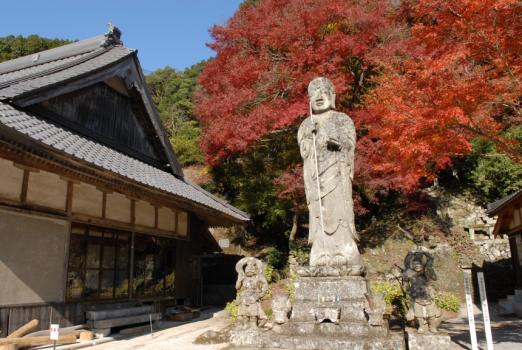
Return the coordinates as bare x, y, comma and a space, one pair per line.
266, 55
449, 71
458, 77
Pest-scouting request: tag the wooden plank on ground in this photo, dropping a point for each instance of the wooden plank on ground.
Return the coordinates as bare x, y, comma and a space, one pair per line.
37, 341
26, 328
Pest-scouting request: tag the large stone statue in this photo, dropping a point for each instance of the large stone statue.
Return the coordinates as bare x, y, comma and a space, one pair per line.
251, 287
327, 143
418, 274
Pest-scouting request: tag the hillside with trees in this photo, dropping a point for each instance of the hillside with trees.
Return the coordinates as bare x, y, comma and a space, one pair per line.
433, 88
12, 46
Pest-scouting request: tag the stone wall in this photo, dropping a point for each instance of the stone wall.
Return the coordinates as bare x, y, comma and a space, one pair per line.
494, 249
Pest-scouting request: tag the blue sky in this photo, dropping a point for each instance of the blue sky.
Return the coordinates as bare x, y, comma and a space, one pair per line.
164, 32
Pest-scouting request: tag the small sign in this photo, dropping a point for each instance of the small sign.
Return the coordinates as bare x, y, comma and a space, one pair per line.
485, 310
54, 332
471, 316
224, 243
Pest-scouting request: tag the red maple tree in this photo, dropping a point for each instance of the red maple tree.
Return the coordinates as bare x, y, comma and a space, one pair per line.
266, 55
438, 74
457, 77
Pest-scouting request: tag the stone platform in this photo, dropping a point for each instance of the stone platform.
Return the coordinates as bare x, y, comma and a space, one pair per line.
422, 341
328, 313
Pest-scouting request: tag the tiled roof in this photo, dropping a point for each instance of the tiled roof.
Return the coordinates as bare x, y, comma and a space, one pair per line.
495, 207
80, 147
19, 82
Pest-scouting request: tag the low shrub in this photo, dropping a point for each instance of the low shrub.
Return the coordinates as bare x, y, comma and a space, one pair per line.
396, 299
448, 301
232, 309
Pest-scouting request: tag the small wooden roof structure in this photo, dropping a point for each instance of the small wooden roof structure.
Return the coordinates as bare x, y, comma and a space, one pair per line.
509, 213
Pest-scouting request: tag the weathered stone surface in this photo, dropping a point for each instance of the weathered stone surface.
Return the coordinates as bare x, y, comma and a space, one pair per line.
418, 275
266, 340
251, 286
418, 341
330, 289
327, 144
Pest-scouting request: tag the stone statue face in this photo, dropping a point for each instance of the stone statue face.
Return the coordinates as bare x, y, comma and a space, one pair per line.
250, 269
322, 95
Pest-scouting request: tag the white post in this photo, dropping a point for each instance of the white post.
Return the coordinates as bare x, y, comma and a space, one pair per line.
471, 316
485, 310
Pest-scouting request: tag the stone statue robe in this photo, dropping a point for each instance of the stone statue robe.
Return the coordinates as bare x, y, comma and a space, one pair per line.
335, 142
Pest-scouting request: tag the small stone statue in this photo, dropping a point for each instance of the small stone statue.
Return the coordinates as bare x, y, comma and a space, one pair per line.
251, 287
418, 274
327, 143
281, 307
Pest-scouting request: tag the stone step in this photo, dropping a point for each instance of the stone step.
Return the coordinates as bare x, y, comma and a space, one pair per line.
269, 340
123, 321
352, 329
115, 313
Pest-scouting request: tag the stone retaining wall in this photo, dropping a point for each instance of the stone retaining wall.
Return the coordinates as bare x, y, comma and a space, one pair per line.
494, 249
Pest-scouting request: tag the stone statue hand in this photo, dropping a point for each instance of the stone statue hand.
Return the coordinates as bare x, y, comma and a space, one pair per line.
333, 145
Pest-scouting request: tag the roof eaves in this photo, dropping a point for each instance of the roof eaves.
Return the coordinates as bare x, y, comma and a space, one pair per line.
495, 207
112, 37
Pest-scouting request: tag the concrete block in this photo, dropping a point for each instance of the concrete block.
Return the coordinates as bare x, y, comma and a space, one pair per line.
115, 313
418, 341
123, 321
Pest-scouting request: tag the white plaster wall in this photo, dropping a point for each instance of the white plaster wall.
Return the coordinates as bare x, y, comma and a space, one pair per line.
47, 189
32, 258
11, 180
87, 199
118, 207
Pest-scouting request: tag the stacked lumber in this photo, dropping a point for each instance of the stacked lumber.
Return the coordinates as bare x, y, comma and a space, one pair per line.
19, 338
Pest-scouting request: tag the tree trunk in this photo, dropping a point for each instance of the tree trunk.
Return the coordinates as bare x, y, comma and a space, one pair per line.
293, 231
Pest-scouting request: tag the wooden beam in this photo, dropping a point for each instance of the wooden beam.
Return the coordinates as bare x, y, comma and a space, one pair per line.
37, 341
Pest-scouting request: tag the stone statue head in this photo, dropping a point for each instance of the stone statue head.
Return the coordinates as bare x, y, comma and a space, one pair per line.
249, 267
321, 92
420, 262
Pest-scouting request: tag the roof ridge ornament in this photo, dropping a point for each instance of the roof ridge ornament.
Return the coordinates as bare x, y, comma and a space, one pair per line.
112, 37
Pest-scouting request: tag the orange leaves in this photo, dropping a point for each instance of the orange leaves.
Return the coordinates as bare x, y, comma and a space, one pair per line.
457, 77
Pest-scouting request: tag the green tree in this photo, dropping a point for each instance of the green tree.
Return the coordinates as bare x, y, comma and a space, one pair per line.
494, 174
12, 46
172, 92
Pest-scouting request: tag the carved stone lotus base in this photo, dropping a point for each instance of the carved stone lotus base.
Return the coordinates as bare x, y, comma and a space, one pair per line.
328, 313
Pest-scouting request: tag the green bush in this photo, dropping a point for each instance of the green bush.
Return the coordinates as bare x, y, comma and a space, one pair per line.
448, 301
269, 272
232, 309
396, 299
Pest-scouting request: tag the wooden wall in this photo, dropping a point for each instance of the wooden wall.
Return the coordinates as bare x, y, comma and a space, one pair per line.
51, 193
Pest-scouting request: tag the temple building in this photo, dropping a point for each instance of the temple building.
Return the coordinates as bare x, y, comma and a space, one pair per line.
94, 207
509, 223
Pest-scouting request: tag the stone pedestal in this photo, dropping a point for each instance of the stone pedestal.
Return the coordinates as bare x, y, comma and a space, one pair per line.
328, 313
418, 341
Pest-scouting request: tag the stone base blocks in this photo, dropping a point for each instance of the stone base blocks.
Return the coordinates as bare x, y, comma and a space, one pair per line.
328, 313
418, 341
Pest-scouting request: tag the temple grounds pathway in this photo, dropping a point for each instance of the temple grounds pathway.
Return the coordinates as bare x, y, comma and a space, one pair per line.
507, 335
